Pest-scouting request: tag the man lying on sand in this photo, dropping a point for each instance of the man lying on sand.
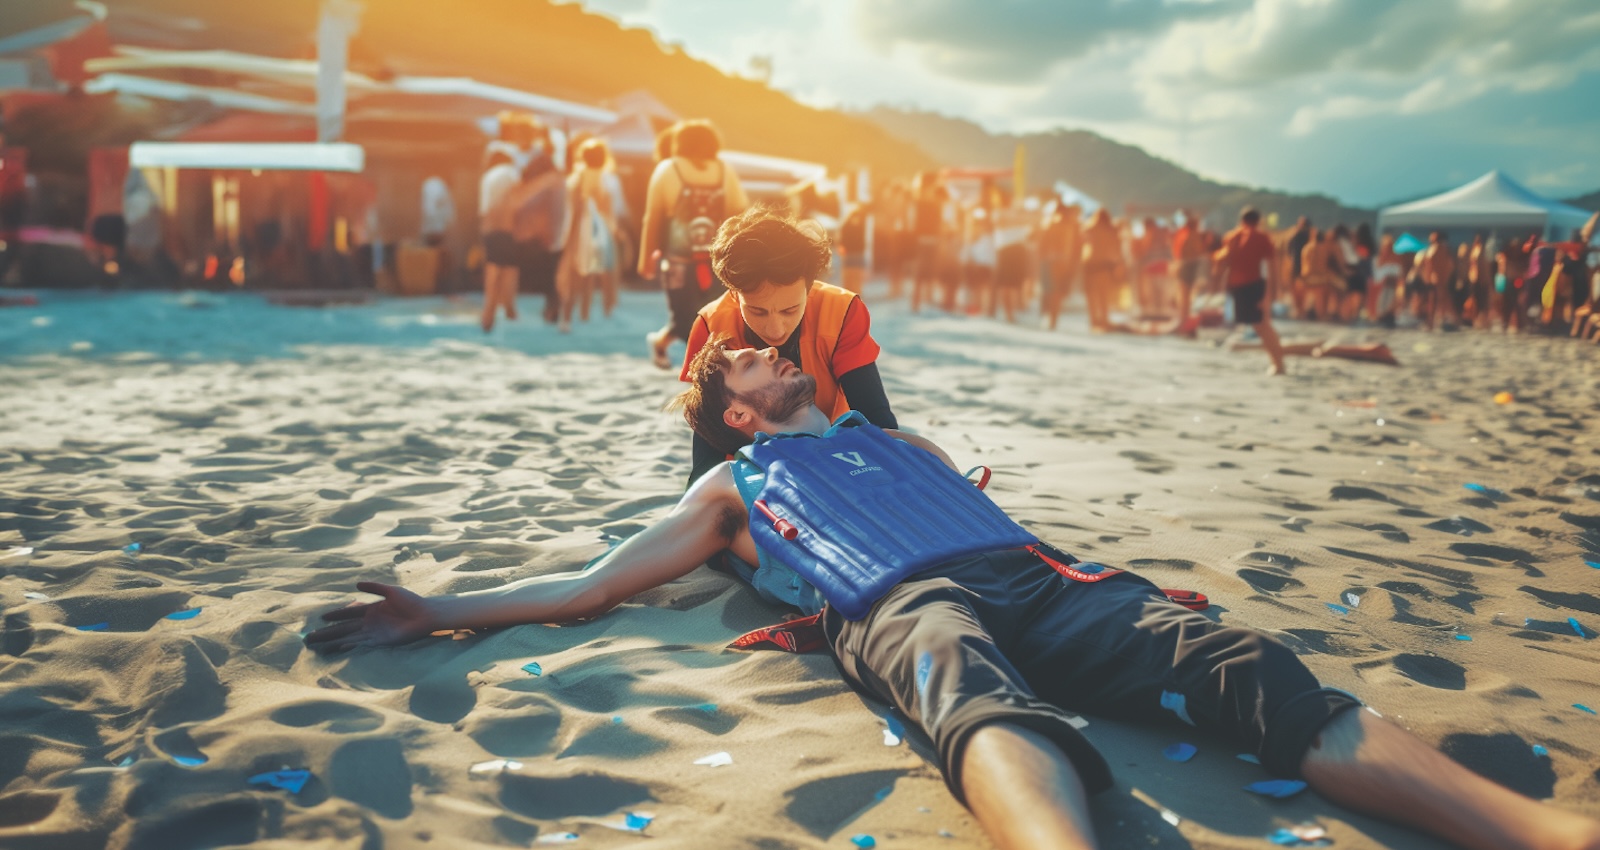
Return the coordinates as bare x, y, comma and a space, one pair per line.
985, 638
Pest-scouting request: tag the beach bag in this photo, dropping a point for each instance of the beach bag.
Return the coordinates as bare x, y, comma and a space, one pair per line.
699, 210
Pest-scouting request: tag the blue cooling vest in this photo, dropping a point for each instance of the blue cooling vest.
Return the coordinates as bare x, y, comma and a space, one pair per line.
870, 512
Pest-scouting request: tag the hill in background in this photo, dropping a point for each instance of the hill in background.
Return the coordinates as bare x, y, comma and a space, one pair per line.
1116, 174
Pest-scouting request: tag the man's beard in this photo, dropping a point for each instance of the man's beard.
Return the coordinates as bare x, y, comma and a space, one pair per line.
784, 401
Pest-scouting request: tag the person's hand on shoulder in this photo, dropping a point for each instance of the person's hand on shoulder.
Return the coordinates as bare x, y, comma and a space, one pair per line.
400, 617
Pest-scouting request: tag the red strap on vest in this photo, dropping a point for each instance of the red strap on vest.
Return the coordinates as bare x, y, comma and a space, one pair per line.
799, 636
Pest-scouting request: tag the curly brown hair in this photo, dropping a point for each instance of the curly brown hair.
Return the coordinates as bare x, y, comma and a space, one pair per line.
764, 245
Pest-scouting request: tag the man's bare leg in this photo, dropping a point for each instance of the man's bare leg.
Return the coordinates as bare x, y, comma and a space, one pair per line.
1372, 766
1270, 342
1023, 790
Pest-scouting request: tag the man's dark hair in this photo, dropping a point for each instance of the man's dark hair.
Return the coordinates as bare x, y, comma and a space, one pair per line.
708, 397
696, 141
764, 245
1250, 216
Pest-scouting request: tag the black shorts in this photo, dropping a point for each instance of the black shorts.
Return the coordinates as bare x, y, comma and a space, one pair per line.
536, 268
499, 248
1249, 302
1002, 637
685, 297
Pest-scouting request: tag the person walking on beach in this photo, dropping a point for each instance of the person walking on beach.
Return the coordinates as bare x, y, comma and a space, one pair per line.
1103, 268
1060, 253
771, 264
590, 259
690, 195
500, 176
1186, 252
1437, 272
928, 229
931, 599
1248, 253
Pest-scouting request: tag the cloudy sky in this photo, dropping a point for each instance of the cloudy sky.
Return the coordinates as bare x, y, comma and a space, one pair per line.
1366, 100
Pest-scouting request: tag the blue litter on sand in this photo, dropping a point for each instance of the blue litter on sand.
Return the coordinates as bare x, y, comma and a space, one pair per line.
1177, 704
1541, 752
533, 668
707, 707
184, 615
189, 761
865, 842
133, 548
1249, 757
1584, 708
616, 720
1577, 627
1180, 752
1279, 788
1337, 609
636, 821
1487, 491
1595, 564
95, 627
1463, 637
287, 780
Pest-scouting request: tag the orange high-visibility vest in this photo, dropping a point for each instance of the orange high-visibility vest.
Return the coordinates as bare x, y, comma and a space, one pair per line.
826, 306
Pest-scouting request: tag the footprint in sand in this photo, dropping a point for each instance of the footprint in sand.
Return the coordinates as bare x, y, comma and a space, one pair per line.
372, 772
558, 797
1493, 552
823, 806
26, 807
1504, 758
524, 730
226, 822
336, 717
1431, 670
1266, 582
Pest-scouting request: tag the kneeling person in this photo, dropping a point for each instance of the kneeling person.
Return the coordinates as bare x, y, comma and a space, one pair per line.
939, 604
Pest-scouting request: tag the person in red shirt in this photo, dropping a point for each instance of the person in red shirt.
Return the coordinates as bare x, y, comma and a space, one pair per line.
769, 262
1247, 252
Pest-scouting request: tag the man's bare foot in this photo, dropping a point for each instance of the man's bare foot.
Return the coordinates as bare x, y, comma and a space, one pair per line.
658, 349
1275, 370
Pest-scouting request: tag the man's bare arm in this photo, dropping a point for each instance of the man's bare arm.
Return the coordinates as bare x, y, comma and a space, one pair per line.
706, 521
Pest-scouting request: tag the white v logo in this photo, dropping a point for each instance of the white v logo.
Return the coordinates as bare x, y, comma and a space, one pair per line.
852, 458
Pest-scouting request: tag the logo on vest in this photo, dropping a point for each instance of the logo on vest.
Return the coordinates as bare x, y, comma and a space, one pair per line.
854, 459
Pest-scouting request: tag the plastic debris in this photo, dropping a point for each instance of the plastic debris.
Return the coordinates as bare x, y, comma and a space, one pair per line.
126, 760
494, 767
533, 668
1352, 600
1584, 708
616, 720
1337, 609
1504, 397
715, 760
945, 833
925, 810
1248, 757
95, 627
133, 548
28, 550
1177, 704
1304, 835
707, 707
1578, 627
1180, 752
1279, 788
864, 841
1171, 817
637, 821
1595, 564
287, 780
557, 838
36, 596
1540, 751
1077, 722
1485, 491
190, 761
896, 732
1463, 637
188, 614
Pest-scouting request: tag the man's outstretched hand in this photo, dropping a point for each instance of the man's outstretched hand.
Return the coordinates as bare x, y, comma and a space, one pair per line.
400, 617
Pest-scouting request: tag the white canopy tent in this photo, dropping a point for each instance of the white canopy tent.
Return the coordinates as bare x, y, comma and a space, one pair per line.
1493, 202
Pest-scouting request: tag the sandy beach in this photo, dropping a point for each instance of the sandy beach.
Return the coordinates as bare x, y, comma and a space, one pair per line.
165, 454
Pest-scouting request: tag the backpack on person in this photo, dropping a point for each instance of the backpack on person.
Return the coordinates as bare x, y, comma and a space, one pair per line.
699, 210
